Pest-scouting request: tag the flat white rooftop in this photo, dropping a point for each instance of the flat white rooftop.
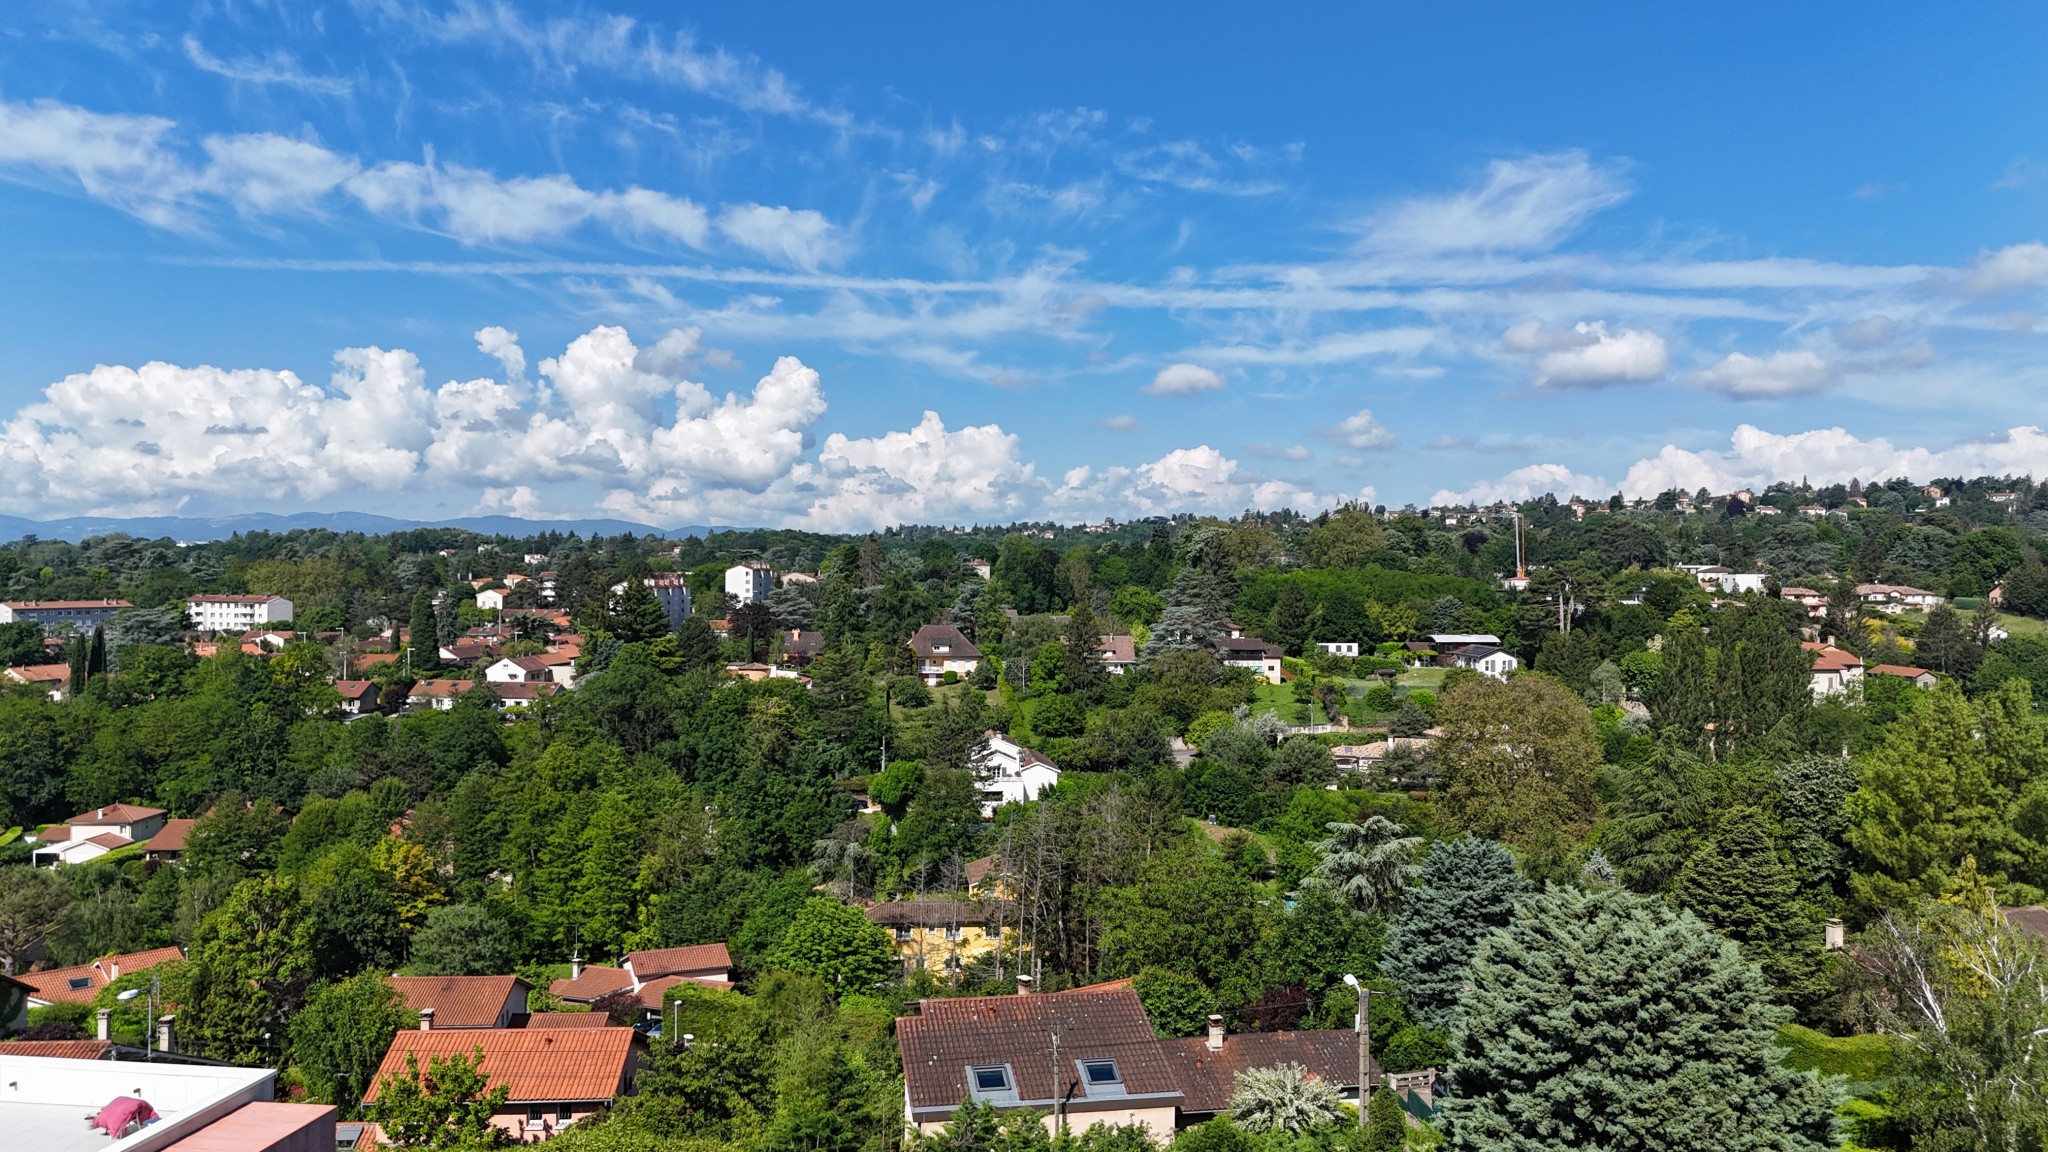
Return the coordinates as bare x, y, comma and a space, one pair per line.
45, 1102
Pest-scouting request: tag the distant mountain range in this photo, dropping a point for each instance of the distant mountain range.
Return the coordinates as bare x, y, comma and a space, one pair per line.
197, 528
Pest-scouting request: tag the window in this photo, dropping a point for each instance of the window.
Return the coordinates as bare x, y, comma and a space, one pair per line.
1101, 1071
564, 1113
991, 1078
79, 983
903, 934
534, 1117
953, 933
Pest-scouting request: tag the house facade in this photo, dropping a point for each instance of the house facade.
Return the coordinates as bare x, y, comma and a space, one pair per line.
1006, 772
220, 613
1250, 652
1836, 671
939, 649
1345, 648
945, 935
671, 592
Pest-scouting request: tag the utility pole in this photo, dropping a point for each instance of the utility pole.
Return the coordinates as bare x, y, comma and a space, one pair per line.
1364, 1030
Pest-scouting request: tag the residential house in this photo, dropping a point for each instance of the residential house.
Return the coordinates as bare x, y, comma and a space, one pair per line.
464, 1001
1006, 772
525, 669
1253, 653
1118, 654
2006, 498
584, 1019
79, 983
54, 679
1897, 597
511, 696
168, 844
1835, 670
1487, 661
646, 976
55, 615
1727, 581
980, 567
358, 697
492, 599
943, 935
749, 582
993, 1049
548, 582
671, 592
800, 647
93, 834
211, 613
755, 670
439, 695
1348, 649
1919, 676
939, 649
1815, 602
468, 653
553, 1076
1206, 1067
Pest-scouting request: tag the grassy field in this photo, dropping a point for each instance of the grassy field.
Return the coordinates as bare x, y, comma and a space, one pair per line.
2023, 626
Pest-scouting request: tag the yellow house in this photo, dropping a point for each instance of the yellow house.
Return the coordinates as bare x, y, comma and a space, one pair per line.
945, 935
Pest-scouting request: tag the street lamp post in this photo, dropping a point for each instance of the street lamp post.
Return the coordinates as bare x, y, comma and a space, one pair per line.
1364, 1030
149, 1019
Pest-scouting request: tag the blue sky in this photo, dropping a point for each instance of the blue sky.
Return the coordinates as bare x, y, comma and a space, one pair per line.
844, 266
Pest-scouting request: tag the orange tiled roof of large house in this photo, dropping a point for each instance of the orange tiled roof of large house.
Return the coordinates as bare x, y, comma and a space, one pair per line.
647, 975
79, 983
552, 1076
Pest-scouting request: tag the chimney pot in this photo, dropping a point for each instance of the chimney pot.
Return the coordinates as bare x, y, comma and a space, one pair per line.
103, 1029
165, 1034
575, 966
426, 1019
1023, 985
1215, 1032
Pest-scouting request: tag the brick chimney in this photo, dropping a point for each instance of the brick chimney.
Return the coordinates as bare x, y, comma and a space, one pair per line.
166, 1035
426, 1019
1215, 1032
1023, 985
102, 1029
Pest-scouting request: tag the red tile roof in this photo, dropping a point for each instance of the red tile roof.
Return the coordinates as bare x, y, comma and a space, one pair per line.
42, 673
679, 961
568, 1020
948, 1036
56, 1049
462, 1001
1208, 1078
1828, 658
116, 814
355, 689
1906, 670
536, 1064
54, 984
172, 838
597, 980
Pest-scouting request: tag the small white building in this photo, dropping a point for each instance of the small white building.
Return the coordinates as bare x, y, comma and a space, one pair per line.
225, 613
491, 599
77, 615
1836, 672
1006, 772
749, 582
1345, 648
1487, 660
672, 591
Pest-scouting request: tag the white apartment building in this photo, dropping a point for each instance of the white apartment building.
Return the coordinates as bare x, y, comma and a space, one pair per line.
221, 613
749, 582
672, 591
78, 615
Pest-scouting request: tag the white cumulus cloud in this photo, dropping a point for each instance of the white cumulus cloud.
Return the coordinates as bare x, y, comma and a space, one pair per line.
2014, 266
1525, 483
1793, 372
1361, 430
1184, 380
1588, 356
1755, 458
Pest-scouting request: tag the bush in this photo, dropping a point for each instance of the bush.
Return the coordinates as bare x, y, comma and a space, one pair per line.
1380, 698
949, 677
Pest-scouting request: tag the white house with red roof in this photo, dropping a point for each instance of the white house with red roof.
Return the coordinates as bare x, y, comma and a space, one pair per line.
1836, 671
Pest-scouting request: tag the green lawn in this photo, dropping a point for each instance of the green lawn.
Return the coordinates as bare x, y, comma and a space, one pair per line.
1276, 698
2024, 626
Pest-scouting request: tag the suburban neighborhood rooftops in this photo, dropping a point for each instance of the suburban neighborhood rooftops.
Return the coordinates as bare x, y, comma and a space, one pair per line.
569, 1020
459, 1001
57, 1049
535, 1064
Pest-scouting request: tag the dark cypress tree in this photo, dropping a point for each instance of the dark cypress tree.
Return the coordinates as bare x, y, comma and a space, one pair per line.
425, 634
697, 646
1554, 1048
96, 655
1683, 699
1081, 672
1467, 888
1738, 884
